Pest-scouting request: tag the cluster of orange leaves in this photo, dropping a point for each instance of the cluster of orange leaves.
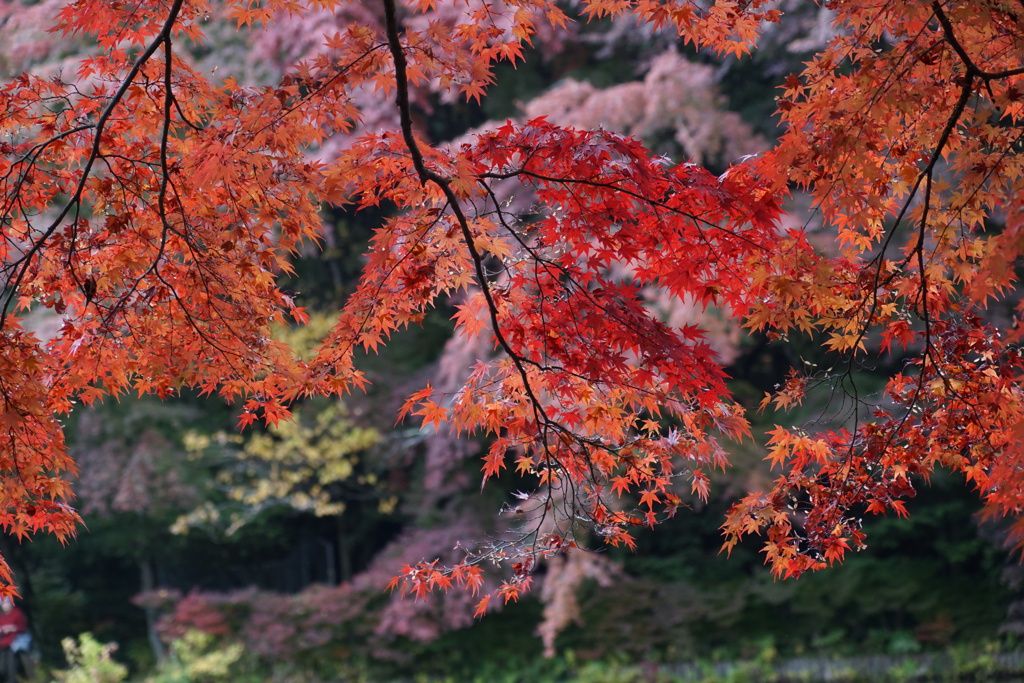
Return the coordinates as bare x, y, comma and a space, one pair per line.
152, 209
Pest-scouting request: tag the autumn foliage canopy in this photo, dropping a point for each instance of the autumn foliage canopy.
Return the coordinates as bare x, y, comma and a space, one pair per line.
152, 206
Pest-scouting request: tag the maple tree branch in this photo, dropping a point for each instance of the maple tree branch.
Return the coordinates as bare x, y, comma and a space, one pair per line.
94, 153
313, 91
181, 113
972, 68
925, 173
402, 97
570, 279
36, 150
29, 158
427, 175
543, 421
629, 193
926, 176
169, 101
165, 133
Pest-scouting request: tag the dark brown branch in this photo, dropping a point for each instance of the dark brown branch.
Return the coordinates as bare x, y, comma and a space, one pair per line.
972, 68
444, 184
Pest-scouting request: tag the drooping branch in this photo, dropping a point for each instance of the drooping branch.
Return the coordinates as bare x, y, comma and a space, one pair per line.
444, 184
94, 153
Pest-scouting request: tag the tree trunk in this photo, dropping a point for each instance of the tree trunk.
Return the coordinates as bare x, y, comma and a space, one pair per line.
149, 584
344, 552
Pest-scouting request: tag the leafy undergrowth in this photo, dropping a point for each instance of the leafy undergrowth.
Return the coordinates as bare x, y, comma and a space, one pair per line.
195, 658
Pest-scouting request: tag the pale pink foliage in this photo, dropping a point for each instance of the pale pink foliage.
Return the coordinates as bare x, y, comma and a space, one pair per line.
565, 574
272, 626
676, 96
25, 43
121, 472
283, 627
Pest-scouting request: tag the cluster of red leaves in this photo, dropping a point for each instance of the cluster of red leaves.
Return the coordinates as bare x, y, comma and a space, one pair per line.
905, 130
592, 393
